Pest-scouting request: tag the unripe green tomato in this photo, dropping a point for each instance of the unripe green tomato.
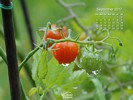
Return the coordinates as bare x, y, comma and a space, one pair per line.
91, 62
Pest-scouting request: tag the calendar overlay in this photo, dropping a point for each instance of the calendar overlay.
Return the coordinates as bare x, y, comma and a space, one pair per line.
110, 18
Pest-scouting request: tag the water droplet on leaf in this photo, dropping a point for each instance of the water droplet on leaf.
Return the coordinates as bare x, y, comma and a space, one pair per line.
96, 72
65, 65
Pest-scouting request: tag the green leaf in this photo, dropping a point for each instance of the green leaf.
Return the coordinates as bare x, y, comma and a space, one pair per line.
85, 97
99, 89
39, 67
36, 59
62, 78
42, 66
57, 73
33, 91
75, 79
49, 56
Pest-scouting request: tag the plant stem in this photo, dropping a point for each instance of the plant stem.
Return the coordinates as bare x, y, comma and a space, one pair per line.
23, 92
22, 89
72, 15
28, 23
13, 72
116, 80
30, 54
1, 33
73, 40
27, 69
20, 53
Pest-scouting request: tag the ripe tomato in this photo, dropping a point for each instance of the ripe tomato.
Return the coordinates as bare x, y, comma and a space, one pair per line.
65, 52
55, 33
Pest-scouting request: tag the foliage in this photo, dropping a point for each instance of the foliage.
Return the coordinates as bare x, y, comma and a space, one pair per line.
114, 63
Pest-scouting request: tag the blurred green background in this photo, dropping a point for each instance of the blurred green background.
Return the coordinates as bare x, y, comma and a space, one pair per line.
42, 11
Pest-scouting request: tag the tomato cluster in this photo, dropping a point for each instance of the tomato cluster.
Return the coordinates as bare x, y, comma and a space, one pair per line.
64, 52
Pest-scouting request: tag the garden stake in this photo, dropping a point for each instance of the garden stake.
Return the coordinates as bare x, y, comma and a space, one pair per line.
11, 50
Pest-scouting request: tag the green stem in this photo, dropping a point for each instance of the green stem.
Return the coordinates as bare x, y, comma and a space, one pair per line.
3, 55
1, 33
47, 28
30, 54
27, 69
73, 40
22, 91
58, 41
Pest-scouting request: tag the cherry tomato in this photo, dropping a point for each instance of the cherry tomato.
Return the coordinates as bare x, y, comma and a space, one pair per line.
65, 30
90, 61
55, 33
65, 52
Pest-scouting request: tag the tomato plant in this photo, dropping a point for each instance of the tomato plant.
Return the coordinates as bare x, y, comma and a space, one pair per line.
66, 52
73, 58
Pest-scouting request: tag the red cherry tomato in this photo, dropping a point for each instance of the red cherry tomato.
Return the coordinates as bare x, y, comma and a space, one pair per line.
65, 52
55, 33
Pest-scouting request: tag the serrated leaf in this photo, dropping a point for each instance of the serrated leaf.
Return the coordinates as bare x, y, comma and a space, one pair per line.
99, 89
76, 78
33, 91
57, 73
62, 78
